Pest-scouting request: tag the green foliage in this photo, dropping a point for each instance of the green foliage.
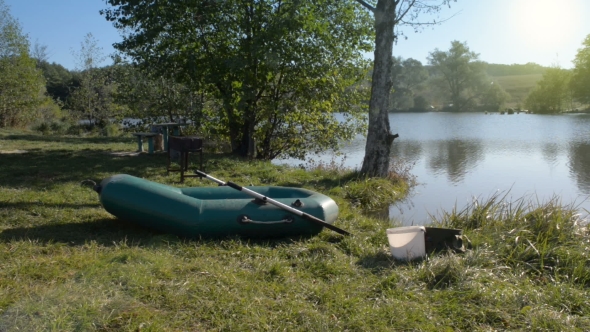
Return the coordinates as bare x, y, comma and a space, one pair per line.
407, 75
459, 75
111, 130
43, 128
50, 109
22, 86
52, 127
152, 99
580, 81
277, 70
60, 81
494, 98
421, 104
92, 100
552, 94
59, 127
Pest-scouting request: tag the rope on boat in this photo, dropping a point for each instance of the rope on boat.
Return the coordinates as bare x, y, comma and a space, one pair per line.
95, 187
88, 181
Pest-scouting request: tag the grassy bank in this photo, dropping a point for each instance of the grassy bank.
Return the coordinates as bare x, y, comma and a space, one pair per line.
67, 265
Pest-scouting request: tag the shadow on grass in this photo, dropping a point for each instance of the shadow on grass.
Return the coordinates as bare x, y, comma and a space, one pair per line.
70, 139
377, 262
45, 169
28, 205
111, 232
106, 232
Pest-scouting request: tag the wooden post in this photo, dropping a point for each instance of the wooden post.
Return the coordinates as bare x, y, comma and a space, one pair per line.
158, 143
150, 144
139, 143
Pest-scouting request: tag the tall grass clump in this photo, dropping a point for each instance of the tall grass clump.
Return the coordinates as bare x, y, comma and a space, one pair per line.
547, 240
377, 193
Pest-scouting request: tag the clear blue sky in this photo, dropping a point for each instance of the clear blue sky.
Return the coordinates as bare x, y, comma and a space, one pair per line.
546, 32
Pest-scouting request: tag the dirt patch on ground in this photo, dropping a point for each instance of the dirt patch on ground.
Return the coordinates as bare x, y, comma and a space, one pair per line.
125, 154
12, 151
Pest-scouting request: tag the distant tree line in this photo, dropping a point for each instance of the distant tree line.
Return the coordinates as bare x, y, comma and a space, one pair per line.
563, 90
455, 80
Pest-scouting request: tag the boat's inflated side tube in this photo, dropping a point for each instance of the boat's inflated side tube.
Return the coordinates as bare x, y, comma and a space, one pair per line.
213, 211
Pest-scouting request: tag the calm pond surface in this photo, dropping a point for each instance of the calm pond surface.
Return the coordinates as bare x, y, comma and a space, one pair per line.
459, 157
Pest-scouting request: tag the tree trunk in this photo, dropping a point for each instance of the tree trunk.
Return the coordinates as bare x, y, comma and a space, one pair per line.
379, 137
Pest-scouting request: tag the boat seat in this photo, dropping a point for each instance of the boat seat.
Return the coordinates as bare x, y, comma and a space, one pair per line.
184, 145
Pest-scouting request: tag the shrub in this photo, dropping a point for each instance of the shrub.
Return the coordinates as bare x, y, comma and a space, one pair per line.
42, 127
111, 130
58, 127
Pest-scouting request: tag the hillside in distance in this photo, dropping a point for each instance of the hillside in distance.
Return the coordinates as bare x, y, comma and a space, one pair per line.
516, 79
518, 86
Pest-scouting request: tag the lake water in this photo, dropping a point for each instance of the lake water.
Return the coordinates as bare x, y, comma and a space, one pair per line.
457, 157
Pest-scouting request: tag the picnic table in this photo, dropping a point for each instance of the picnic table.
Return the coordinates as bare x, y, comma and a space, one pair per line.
150, 138
169, 129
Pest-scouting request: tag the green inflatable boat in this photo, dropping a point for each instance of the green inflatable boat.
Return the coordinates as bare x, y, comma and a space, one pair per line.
215, 211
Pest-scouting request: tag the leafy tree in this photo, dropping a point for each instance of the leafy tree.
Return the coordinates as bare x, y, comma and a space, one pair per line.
22, 86
580, 82
408, 75
92, 99
151, 98
39, 53
421, 104
459, 75
493, 98
279, 69
60, 81
389, 15
552, 93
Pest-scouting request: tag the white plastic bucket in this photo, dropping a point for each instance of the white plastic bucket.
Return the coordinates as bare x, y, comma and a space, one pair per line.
407, 243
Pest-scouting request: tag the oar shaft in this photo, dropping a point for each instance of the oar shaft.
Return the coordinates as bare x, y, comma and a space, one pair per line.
207, 176
274, 202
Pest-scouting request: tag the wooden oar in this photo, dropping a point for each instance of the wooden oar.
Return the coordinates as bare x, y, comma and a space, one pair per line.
274, 202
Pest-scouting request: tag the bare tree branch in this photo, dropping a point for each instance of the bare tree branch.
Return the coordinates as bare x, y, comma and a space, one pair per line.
429, 23
400, 16
366, 5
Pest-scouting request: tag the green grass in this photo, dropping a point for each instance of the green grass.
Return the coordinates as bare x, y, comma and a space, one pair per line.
518, 86
67, 265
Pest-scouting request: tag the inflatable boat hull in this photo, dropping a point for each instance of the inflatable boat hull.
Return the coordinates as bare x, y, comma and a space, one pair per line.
213, 211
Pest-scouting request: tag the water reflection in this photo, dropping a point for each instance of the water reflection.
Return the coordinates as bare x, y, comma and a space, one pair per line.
460, 156
551, 153
408, 151
454, 158
579, 163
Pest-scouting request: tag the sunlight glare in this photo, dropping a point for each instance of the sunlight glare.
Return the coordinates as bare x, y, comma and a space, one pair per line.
545, 25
